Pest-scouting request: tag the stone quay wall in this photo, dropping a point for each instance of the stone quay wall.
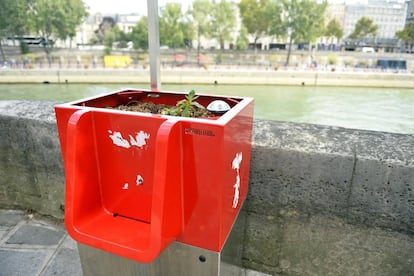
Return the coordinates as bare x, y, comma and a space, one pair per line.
221, 75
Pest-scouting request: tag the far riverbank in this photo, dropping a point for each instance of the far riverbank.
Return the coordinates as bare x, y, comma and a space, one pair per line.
219, 75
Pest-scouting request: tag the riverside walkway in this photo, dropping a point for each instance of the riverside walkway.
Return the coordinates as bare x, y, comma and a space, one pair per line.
34, 245
215, 75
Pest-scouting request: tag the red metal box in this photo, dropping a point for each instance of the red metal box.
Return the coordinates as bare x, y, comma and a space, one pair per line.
137, 181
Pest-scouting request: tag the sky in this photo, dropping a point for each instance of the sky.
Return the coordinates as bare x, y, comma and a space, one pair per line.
140, 6
127, 6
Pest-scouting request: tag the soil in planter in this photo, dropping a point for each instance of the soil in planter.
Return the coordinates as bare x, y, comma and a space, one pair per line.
148, 107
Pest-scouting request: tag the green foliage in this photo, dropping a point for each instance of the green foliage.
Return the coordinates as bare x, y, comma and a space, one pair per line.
51, 19
219, 58
107, 51
201, 13
186, 107
111, 36
94, 41
13, 17
56, 19
13, 21
365, 27
242, 42
172, 26
334, 29
24, 48
332, 59
304, 18
256, 16
300, 20
188, 30
75, 13
406, 34
139, 34
223, 21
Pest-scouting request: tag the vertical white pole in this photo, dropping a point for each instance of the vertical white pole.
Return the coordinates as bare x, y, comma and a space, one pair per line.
154, 44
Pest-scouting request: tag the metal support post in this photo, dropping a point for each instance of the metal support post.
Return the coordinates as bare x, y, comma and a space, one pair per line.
154, 44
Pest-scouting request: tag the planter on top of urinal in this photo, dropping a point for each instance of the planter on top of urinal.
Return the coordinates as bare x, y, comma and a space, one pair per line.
135, 181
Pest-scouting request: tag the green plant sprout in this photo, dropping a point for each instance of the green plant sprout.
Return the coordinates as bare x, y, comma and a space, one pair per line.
185, 107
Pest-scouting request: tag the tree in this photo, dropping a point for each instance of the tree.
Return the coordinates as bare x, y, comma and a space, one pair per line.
139, 34
111, 36
364, 28
172, 26
302, 20
242, 42
406, 34
187, 26
334, 29
223, 22
105, 27
201, 13
13, 20
76, 13
256, 17
56, 19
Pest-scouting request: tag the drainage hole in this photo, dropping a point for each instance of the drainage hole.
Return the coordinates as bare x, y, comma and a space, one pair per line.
202, 258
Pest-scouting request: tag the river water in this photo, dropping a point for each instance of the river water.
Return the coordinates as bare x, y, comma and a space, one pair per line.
379, 109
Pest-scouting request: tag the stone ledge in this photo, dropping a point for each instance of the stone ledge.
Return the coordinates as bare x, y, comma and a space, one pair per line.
363, 176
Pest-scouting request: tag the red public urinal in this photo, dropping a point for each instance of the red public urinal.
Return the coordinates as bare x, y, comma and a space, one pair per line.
135, 181
124, 198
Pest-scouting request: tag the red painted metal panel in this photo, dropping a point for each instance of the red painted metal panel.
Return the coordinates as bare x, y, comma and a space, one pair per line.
135, 182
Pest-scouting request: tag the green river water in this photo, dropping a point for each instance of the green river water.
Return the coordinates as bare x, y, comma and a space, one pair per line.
379, 109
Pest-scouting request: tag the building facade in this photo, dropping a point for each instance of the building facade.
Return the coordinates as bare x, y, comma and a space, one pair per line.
388, 15
410, 11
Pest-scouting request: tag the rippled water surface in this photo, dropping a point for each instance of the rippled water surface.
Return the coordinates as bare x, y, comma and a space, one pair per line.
381, 109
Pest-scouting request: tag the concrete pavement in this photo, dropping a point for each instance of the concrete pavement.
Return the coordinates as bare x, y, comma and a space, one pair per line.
32, 245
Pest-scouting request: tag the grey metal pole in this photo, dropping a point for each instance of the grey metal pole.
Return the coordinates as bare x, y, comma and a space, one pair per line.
154, 44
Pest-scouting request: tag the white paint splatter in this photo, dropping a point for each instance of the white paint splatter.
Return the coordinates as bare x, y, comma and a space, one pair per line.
237, 160
139, 140
236, 166
118, 140
140, 180
125, 187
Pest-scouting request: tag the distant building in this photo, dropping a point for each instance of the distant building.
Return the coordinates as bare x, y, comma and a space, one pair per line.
337, 12
388, 15
333, 12
91, 27
410, 11
126, 22
87, 30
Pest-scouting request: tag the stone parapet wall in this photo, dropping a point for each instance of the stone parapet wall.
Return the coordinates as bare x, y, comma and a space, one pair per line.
31, 169
363, 176
310, 185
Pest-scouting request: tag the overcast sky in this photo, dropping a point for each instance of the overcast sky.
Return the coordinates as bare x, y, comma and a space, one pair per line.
127, 6
140, 6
